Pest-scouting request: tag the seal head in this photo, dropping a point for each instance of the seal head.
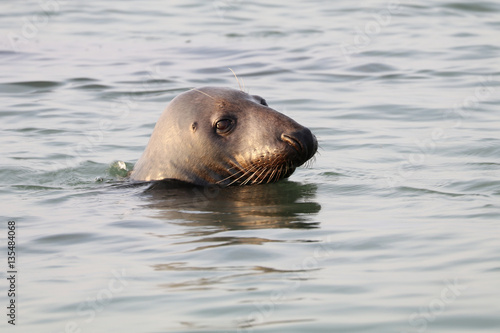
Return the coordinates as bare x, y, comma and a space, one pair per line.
223, 136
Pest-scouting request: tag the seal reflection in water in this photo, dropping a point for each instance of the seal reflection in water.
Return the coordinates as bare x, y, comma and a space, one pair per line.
223, 136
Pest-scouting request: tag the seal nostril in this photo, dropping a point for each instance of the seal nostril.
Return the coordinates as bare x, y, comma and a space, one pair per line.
296, 144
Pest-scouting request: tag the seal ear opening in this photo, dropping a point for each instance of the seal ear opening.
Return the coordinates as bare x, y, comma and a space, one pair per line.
194, 127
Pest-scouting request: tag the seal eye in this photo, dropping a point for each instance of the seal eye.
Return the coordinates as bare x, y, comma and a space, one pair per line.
263, 102
223, 126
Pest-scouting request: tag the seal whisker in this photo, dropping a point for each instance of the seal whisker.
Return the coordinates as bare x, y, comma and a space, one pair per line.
283, 171
243, 83
310, 162
238, 80
272, 171
273, 174
245, 172
202, 92
249, 178
255, 173
229, 177
237, 179
280, 173
238, 171
270, 175
263, 175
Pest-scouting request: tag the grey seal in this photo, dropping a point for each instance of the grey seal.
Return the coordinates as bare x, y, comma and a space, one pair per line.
223, 136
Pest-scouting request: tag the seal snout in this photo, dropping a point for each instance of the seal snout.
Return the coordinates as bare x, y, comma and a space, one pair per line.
303, 142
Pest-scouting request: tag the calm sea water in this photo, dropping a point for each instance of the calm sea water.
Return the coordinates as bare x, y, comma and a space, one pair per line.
393, 228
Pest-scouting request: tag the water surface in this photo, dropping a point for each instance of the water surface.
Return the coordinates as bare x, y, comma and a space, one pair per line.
393, 228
